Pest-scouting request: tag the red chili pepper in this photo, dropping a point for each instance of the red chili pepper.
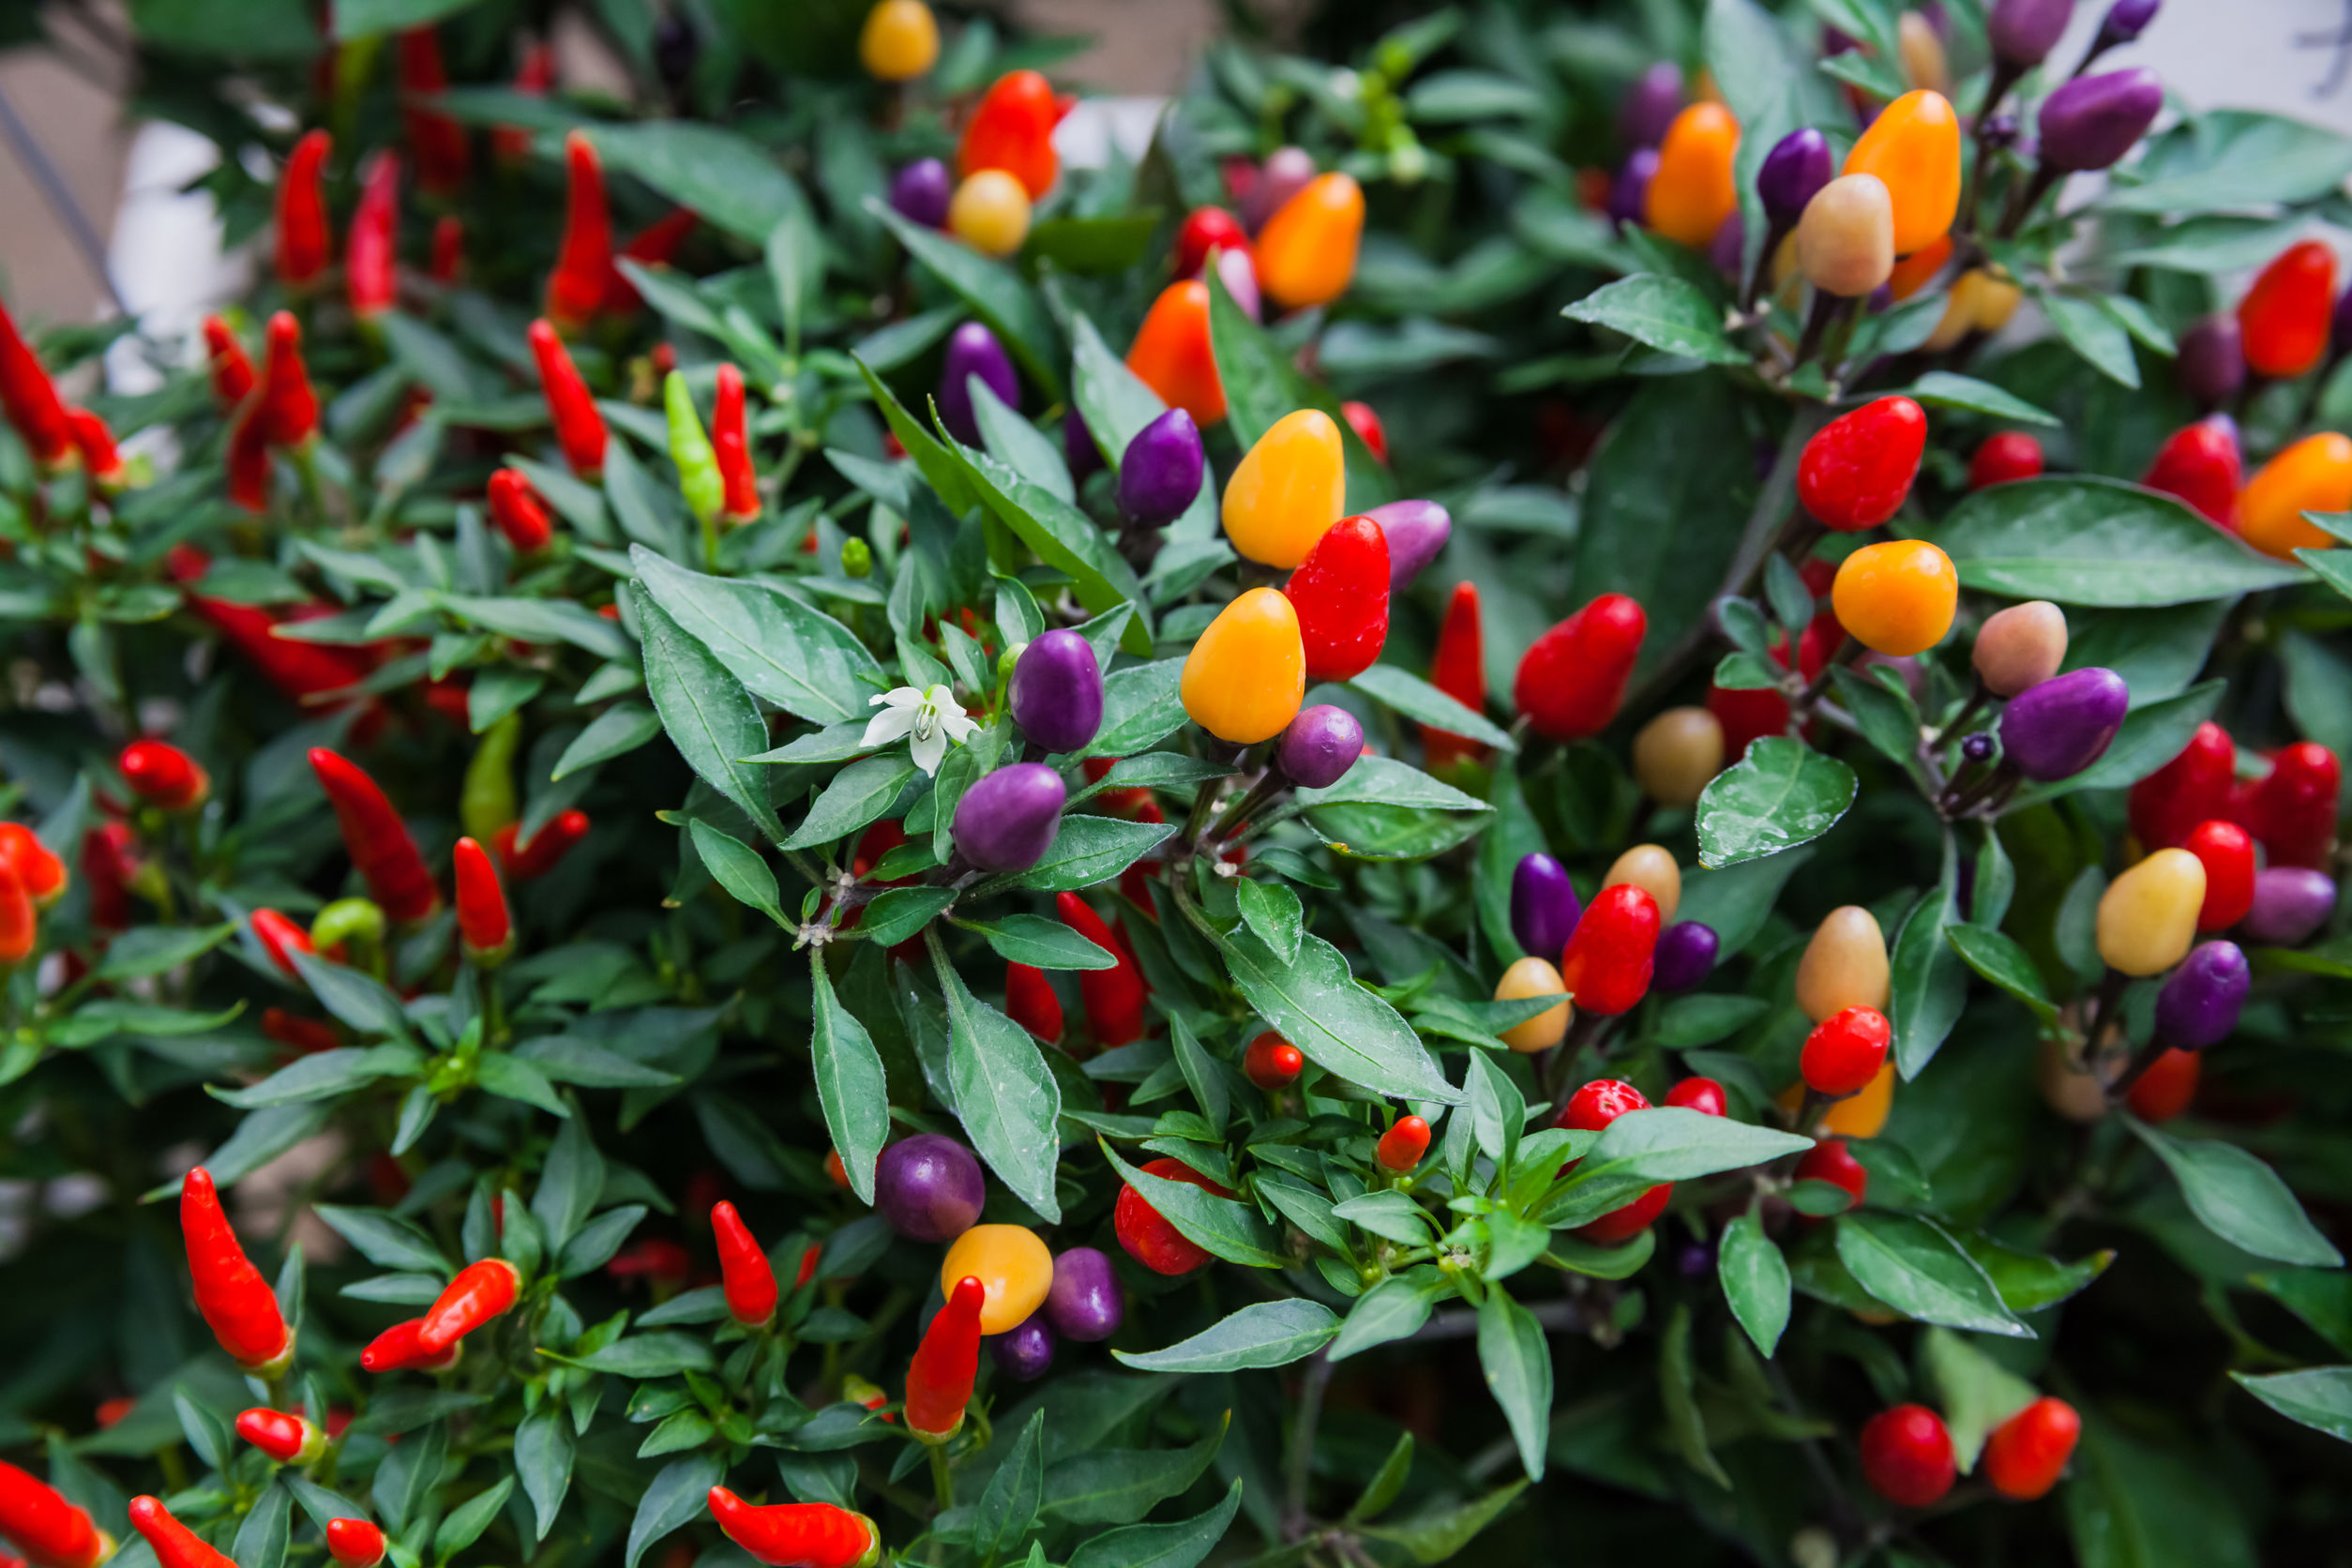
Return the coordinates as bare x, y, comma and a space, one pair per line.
1113, 998
1845, 1051
231, 371
305, 1036
1012, 129
1606, 963
2200, 463
1857, 470
2195, 787
175, 1546
1573, 678
797, 1534
109, 861
305, 243
939, 1380
810, 1256
48, 1530
96, 443
1340, 592
731, 443
653, 245
372, 259
583, 264
2227, 852
2004, 458
515, 507
283, 1436
280, 938
1401, 1147
480, 1292
301, 671
377, 838
546, 847
400, 1349
1030, 1002
484, 925
36, 865
1459, 671
248, 463
1364, 420
2284, 320
30, 398
743, 1271
1207, 228
355, 1542
289, 412
237, 1302
2293, 808
535, 73
162, 775
579, 425
438, 141
448, 254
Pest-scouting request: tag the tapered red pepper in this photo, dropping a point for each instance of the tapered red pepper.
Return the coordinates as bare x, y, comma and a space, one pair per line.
2284, 319
301, 671
48, 1530
535, 73
109, 862
1459, 671
583, 264
175, 1546
513, 507
1607, 962
20, 922
249, 465
1402, 1146
355, 1542
545, 848
2200, 464
237, 1302
1030, 1002
283, 1436
448, 252
1172, 353
232, 370
1571, 678
162, 775
438, 141
484, 925
655, 243
939, 1380
1340, 592
1113, 997
280, 938
305, 243
480, 1292
30, 398
579, 427
797, 1534
377, 838
745, 1275
1857, 470
371, 275
400, 1349
288, 413
2192, 788
731, 443
2293, 809
95, 442
1012, 129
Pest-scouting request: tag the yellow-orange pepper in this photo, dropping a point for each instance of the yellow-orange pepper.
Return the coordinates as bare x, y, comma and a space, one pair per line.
1306, 252
2312, 475
1011, 1263
1173, 356
1534, 977
1898, 597
1845, 239
1845, 965
1675, 753
1914, 273
2147, 918
1922, 51
1979, 302
990, 212
1287, 490
1861, 1114
1652, 868
1914, 145
1692, 190
899, 40
1243, 680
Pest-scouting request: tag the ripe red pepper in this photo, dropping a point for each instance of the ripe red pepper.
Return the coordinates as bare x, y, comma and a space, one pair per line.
1606, 963
305, 243
175, 1546
2227, 854
231, 371
36, 865
400, 1349
19, 927
1364, 420
1459, 671
583, 263
280, 938
248, 462
377, 838
731, 443
448, 252
1401, 1147
301, 671
163, 775
652, 246
438, 141
305, 1036
109, 861
2200, 463
480, 1292
1012, 129
2004, 458
372, 259
939, 1380
1907, 1455
745, 1274
1845, 1051
1831, 1161
99, 458
1113, 997
1571, 678
809, 1258
579, 425
283, 1436
1340, 592
485, 928
2284, 317
515, 507
1592, 1110
2026, 1453
236, 1300
1207, 228
797, 1534
289, 410
1273, 1062
30, 398
2293, 809
355, 1542
2192, 788
535, 73
48, 1530
1030, 1002
546, 847
1857, 470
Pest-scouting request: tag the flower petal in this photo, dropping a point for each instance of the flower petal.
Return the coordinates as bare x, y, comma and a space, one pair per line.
887, 727
929, 750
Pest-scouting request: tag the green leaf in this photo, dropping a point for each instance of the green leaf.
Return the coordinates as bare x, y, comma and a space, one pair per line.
1391, 1310
859, 795
651, 1355
1999, 959
850, 1084
145, 950
997, 294
1040, 943
2078, 539
1141, 706
1315, 1003
900, 913
710, 718
2234, 159
543, 1459
1120, 1485
1009, 1504
738, 867
1975, 1393
1755, 1280
1262, 382
1441, 1536
360, 1000
2319, 1397
260, 1539
468, 1520
1781, 794
1005, 1096
801, 660
2239, 1199
2092, 333
1387, 1213
1517, 1366
616, 731
1018, 445
385, 1239
1063, 537
1927, 979
1086, 849
1393, 686
1232, 1230
1945, 389
725, 178
1666, 314
1920, 1272
357, 18
673, 1500
1177, 1546
1735, 902
1262, 1334
1272, 912
327, 1075
1385, 781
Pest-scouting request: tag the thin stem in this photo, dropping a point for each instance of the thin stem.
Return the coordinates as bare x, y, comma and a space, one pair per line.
2004, 77
1826, 307
942, 1482
1295, 1518
1976, 702
1774, 234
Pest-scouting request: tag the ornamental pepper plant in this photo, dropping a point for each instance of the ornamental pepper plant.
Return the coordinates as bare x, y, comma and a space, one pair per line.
1566, 787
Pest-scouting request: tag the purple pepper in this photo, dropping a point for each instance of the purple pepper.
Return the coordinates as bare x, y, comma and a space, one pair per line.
2092, 121
1026, 1350
1978, 747
1057, 691
1649, 105
1320, 746
973, 351
1793, 174
1085, 1303
2060, 728
1685, 956
2126, 20
2023, 32
1544, 907
1239, 274
1283, 176
1729, 246
1416, 531
1006, 821
920, 192
1159, 472
1629, 192
2213, 359
2199, 1005
2290, 903
928, 1187
1079, 451
2339, 326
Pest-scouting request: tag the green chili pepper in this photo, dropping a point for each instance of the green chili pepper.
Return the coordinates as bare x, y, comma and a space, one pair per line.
485, 801
699, 479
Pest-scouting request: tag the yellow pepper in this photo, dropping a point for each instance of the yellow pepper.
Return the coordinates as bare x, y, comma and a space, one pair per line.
1845, 965
990, 212
1287, 490
1652, 868
899, 40
1534, 977
1845, 239
1692, 190
1306, 252
2312, 475
2147, 918
1898, 597
1242, 681
1914, 146
1675, 753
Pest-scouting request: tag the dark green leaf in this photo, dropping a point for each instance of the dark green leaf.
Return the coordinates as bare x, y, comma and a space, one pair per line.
1781, 794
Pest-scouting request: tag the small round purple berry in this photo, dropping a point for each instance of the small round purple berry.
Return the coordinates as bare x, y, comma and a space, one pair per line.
973, 351
920, 192
1057, 691
1007, 820
1159, 472
1085, 1303
928, 1187
1024, 1350
1320, 746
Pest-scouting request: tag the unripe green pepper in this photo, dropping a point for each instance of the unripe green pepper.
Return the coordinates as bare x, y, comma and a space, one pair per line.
699, 479
485, 801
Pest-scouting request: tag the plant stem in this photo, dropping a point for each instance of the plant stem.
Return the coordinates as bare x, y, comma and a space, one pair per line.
1295, 1518
942, 1482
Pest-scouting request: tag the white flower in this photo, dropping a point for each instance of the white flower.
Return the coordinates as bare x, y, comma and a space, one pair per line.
932, 718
